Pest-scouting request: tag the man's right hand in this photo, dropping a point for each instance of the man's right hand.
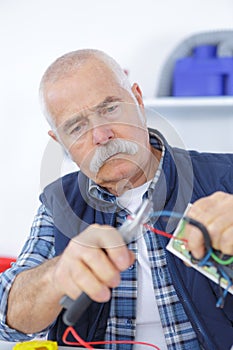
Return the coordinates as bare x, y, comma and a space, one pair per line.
92, 263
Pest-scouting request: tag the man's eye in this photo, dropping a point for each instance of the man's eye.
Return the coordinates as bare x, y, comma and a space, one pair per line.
77, 129
110, 109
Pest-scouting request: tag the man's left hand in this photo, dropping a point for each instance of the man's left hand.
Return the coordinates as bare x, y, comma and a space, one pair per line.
216, 213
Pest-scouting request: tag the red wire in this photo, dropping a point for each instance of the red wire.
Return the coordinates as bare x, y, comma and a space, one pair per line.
165, 234
87, 345
162, 233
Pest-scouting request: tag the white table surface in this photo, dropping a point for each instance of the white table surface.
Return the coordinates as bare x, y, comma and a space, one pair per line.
9, 346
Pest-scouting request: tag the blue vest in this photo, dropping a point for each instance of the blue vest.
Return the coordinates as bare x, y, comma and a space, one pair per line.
186, 177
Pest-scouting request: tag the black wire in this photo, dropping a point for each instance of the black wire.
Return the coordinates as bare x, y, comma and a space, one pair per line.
205, 234
203, 230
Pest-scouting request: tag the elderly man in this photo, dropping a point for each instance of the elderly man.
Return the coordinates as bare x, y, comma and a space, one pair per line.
140, 291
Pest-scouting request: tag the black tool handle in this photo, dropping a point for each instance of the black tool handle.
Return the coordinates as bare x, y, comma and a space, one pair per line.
74, 308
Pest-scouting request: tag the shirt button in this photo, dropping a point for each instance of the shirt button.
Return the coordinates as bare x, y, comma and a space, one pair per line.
128, 322
131, 267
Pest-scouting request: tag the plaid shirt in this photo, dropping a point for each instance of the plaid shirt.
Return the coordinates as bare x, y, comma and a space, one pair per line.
122, 319
38, 248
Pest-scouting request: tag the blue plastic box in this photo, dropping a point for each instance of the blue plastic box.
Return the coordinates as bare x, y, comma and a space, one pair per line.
203, 74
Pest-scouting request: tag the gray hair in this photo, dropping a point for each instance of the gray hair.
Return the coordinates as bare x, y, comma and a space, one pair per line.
71, 62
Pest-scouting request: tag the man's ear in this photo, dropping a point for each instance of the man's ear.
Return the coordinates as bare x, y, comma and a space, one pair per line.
53, 135
138, 94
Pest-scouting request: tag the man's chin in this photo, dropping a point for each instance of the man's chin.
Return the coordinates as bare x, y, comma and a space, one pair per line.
115, 174
114, 168
116, 186
108, 174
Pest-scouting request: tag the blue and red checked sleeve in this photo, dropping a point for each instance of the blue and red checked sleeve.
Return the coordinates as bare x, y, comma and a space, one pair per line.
38, 248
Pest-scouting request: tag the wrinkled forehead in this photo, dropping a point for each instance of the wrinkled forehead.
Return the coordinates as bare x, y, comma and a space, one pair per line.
83, 89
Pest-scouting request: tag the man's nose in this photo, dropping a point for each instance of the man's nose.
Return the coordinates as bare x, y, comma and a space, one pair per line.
101, 134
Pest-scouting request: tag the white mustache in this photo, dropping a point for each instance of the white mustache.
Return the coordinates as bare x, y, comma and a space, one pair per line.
108, 150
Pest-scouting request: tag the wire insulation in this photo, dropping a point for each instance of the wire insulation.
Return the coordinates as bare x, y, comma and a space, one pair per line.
88, 345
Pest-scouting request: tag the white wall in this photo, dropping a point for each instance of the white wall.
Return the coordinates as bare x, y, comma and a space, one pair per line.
139, 34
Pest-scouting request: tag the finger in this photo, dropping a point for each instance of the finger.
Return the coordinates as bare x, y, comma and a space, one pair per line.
116, 248
226, 241
109, 239
215, 224
194, 236
200, 215
214, 202
100, 236
102, 267
215, 205
72, 276
84, 280
196, 242
122, 257
214, 212
217, 227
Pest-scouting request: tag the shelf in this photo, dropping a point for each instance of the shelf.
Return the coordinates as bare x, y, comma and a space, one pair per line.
192, 108
221, 101
202, 123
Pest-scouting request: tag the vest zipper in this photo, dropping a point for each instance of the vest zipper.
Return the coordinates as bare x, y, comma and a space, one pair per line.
180, 289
